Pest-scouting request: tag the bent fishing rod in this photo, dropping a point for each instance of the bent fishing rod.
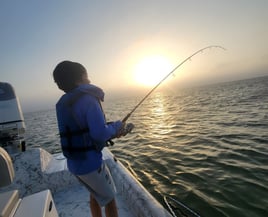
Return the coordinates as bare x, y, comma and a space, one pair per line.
149, 93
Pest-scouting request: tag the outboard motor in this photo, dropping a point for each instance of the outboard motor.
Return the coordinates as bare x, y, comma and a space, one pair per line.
12, 126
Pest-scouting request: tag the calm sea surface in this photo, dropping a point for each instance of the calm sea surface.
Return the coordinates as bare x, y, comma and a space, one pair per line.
206, 147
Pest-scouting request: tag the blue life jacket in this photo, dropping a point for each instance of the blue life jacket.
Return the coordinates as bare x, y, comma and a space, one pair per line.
75, 140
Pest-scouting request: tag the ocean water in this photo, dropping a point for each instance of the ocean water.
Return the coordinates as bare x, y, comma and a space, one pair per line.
205, 147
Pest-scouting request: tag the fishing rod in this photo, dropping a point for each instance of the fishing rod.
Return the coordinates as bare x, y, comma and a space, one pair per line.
149, 93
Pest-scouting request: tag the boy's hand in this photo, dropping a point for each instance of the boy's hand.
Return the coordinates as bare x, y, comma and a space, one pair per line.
126, 128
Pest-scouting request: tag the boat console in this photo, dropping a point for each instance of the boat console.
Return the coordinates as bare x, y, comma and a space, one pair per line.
39, 204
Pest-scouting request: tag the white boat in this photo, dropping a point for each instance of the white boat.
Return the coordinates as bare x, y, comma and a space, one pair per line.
35, 183
48, 189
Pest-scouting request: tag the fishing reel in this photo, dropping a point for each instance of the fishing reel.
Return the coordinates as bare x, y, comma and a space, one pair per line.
126, 130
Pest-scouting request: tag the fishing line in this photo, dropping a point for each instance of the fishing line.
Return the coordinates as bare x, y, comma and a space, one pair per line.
149, 93
193, 213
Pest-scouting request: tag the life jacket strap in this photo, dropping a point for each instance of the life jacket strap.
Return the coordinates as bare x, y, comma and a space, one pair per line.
69, 134
74, 133
79, 149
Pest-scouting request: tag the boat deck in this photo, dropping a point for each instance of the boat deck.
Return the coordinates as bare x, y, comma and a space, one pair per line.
74, 202
37, 170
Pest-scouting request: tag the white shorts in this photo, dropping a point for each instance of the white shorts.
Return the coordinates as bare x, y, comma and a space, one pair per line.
100, 184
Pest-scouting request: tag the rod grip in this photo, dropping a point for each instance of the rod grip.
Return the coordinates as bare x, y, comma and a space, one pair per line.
125, 118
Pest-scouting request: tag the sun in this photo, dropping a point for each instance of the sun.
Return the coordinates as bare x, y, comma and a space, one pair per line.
151, 70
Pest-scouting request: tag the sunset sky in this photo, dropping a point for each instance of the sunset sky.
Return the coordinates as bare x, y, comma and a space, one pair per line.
119, 40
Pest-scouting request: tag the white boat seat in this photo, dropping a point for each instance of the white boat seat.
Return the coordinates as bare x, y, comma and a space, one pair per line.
40, 204
8, 202
6, 168
10, 199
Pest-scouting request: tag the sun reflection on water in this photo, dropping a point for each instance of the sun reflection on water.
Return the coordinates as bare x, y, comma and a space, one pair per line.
160, 123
